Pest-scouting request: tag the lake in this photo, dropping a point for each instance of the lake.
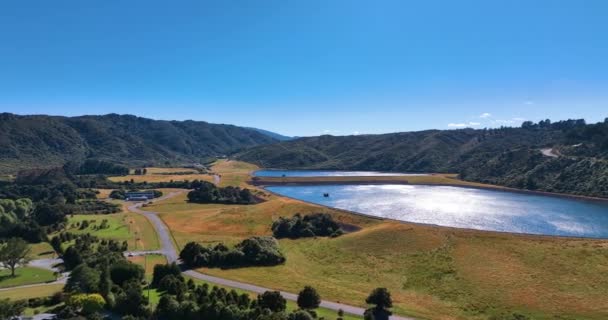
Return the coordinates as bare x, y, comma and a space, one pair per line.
328, 173
463, 207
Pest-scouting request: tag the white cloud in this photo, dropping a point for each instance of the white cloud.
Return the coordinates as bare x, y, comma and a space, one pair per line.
503, 121
463, 125
457, 125
519, 119
485, 115
355, 132
528, 102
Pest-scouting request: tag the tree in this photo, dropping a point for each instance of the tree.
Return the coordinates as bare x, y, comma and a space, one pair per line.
10, 309
87, 303
71, 258
381, 298
162, 270
14, 252
309, 298
83, 279
272, 300
300, 315
124, 271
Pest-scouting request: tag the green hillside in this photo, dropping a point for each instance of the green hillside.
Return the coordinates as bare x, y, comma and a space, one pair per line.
48, 141
504, 156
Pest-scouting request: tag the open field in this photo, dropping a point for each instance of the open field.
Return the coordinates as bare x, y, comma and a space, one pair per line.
31, 292
130, 227
165, 175
103, 193
233, 173
432, 272
23, 276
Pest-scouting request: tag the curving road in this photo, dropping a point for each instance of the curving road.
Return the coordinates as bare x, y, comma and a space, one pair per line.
167, 249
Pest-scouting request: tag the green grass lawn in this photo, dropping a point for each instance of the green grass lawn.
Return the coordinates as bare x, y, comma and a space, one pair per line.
130, 227
23, 276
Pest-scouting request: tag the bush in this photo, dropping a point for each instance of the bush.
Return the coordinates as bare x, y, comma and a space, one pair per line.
318, 224
256, 251
209, 193
162, 270
87, 303
272, 300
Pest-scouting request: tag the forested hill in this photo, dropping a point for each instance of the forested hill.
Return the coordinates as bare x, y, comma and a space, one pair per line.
50, 141
504, 156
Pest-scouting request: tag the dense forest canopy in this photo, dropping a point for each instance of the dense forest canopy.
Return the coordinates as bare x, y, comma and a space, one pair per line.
51, 141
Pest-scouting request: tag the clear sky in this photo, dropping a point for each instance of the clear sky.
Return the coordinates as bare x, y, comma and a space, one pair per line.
309, 67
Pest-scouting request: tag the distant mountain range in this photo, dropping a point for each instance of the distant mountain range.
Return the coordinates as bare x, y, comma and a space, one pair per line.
274, 135
578, 161
40, 141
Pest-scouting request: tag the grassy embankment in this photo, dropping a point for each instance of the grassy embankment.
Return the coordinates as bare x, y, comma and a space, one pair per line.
154, 174
432, 272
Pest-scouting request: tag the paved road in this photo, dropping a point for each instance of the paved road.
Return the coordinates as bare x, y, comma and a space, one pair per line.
167, 248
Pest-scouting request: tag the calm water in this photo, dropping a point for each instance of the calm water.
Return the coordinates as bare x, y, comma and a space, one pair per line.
328, 173
463, 208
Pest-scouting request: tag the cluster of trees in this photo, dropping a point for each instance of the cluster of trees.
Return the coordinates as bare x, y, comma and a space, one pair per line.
256, 251
208, 192
101, 277
38, 202
92, 166
87, 249
140, 172
93, 207
184, 300
15, 210
312, 225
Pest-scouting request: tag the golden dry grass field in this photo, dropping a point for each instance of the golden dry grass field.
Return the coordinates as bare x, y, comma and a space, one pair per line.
164, 175
432, 272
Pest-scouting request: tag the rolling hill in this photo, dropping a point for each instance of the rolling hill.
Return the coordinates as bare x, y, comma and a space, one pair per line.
504, 156
40, 141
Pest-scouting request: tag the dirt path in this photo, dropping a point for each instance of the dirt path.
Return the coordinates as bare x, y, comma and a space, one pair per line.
167, 248
548, 152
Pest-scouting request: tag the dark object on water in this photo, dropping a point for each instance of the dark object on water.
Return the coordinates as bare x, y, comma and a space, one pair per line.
326, 195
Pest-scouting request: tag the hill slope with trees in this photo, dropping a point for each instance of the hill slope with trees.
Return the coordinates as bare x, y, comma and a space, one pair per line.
503, 156
40, 141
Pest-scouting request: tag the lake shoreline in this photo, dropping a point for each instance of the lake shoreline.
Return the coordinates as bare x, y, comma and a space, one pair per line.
402, 180
432, 225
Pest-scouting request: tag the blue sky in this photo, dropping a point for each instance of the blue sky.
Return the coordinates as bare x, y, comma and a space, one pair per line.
309, 67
